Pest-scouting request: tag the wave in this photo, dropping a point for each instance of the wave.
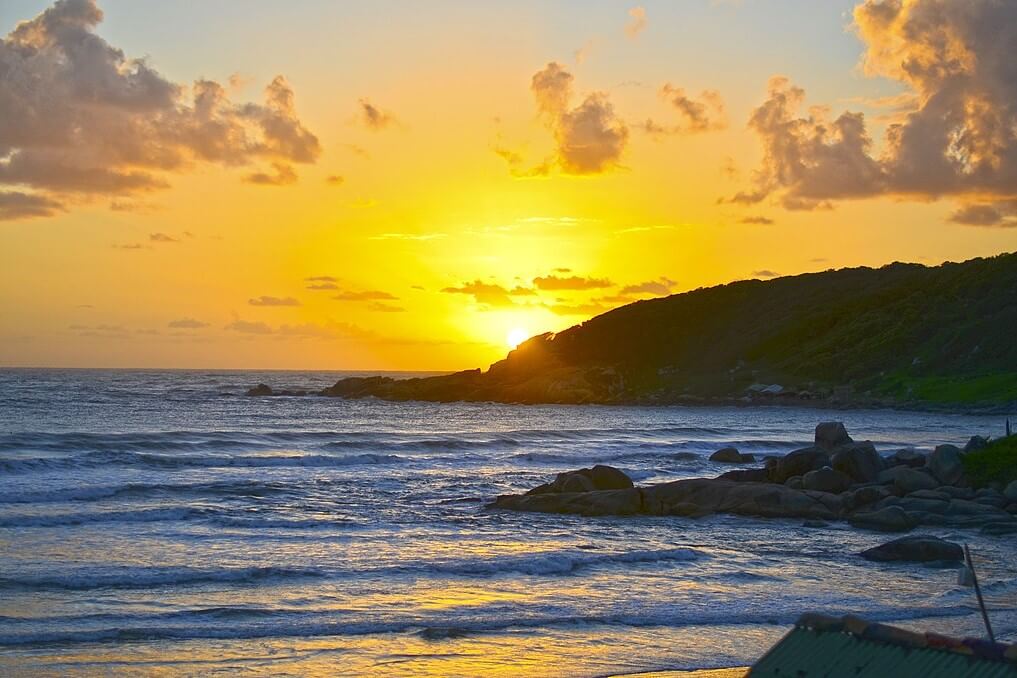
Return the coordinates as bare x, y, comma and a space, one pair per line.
170, 514
244, 488
149, 577
207, 623
165, 461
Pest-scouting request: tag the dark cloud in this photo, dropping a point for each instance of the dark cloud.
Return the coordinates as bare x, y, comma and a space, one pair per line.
765, 221
322, 286
1000, 215
373, 118
385, 308
574, 282
695, 116
765, 273
335, 180
80, 119
273, 301
489, 294
589, 138
17, 205
660, 287
248, 327
186, 324
365, 295
162, 237
282, 175
957, 139
322, 278
129, 246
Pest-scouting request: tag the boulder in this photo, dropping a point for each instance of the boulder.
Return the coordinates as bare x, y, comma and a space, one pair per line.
831, 434
906, 457
889, 519
945, 463
730, 455
750, 475
796, 482
1011, 491
826, 480
975, 443
765, 500
596, 503
930, 494
865, 496
586, 480
907, 480
796, 463
915, 549
609, 478
859, 461
577, 482
260, 390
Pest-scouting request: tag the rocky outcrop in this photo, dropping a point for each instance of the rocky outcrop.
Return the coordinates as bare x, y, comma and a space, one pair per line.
751, 499
945, 463
586, 480
730, 455
796, 463
889, 519
858, 461
917, 549
831, 434
826, 480
907, 480
260, 390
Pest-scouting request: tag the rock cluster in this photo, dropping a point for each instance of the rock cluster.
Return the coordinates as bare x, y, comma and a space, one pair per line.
836, 478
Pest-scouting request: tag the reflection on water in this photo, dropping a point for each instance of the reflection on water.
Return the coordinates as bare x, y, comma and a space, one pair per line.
158, 523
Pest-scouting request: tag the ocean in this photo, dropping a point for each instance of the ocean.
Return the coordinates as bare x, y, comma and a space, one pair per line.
163, 523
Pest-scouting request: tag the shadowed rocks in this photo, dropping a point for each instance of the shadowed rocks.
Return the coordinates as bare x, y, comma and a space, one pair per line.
917, 549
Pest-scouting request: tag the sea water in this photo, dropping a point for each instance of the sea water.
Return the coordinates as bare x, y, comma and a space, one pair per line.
163, 523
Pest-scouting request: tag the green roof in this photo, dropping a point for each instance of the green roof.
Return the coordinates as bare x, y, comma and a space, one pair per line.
850, 647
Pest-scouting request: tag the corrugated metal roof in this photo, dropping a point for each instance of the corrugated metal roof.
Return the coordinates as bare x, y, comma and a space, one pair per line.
833, 650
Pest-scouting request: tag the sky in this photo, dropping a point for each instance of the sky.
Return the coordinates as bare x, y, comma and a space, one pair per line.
417, 186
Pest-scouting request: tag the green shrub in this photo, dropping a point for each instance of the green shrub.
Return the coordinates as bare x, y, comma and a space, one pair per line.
996, 462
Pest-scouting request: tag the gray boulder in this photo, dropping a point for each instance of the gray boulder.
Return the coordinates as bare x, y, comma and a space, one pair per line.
826, 480
577, 482
796, 482
586, 480
730, 455
865, 496
749, 475
945, 463
907, 480
596, 503
796, 463
831, 434
915, 549
906, 457
859, 461
260, 390
609, 478
751, 499
889, 519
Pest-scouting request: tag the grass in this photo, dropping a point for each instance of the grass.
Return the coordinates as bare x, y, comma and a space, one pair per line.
992, 388
996, 462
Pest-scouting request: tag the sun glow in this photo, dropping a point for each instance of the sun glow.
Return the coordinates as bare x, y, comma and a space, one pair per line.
516, 336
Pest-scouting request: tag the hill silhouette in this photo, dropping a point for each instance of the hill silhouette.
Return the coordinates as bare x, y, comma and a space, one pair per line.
903, 333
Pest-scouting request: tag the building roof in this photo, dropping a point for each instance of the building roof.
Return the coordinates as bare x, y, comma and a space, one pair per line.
851, 647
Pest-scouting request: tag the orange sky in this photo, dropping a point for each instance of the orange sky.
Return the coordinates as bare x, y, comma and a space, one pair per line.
433, 179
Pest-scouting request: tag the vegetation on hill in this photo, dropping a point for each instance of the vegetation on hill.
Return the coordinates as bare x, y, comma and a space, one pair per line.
997, 462
900, 333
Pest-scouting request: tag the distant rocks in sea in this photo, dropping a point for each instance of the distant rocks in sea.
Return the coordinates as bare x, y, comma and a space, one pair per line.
835, 479
917, 549
266, 390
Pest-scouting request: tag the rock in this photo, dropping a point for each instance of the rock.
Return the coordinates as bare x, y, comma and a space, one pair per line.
260, 390
797, 463
1011, 491
865, 496
796, 482
831, 434
906, 457
609, 478
907, 480
889, 519
730, 455
815, 523
859, 461
751, 475
958, 492
752, 499
577, 482
826, 480
915, 549
945, 464
975, 443
964, 507
930, 494
596, 503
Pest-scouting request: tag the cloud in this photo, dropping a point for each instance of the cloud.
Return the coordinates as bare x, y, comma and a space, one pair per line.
765, 221
248, 327
79, 119
584, 52
574, 282
489, 294
364, 295
385, 308
186, 324
335, 180
17, 205
408, 236
696, 116
637, 22
322, 286
102, 330
765, 273
960, 139
1000, 215
130, 246
273, 301
161, 237
660, 287
282, 175
589, 138
373, 118
321, 278
322, 282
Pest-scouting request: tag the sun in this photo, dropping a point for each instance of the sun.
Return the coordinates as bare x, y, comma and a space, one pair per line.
516, 336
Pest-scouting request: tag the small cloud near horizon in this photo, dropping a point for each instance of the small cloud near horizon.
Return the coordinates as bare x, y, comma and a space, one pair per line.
187, 324
266, 300
574, 282
765, 273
